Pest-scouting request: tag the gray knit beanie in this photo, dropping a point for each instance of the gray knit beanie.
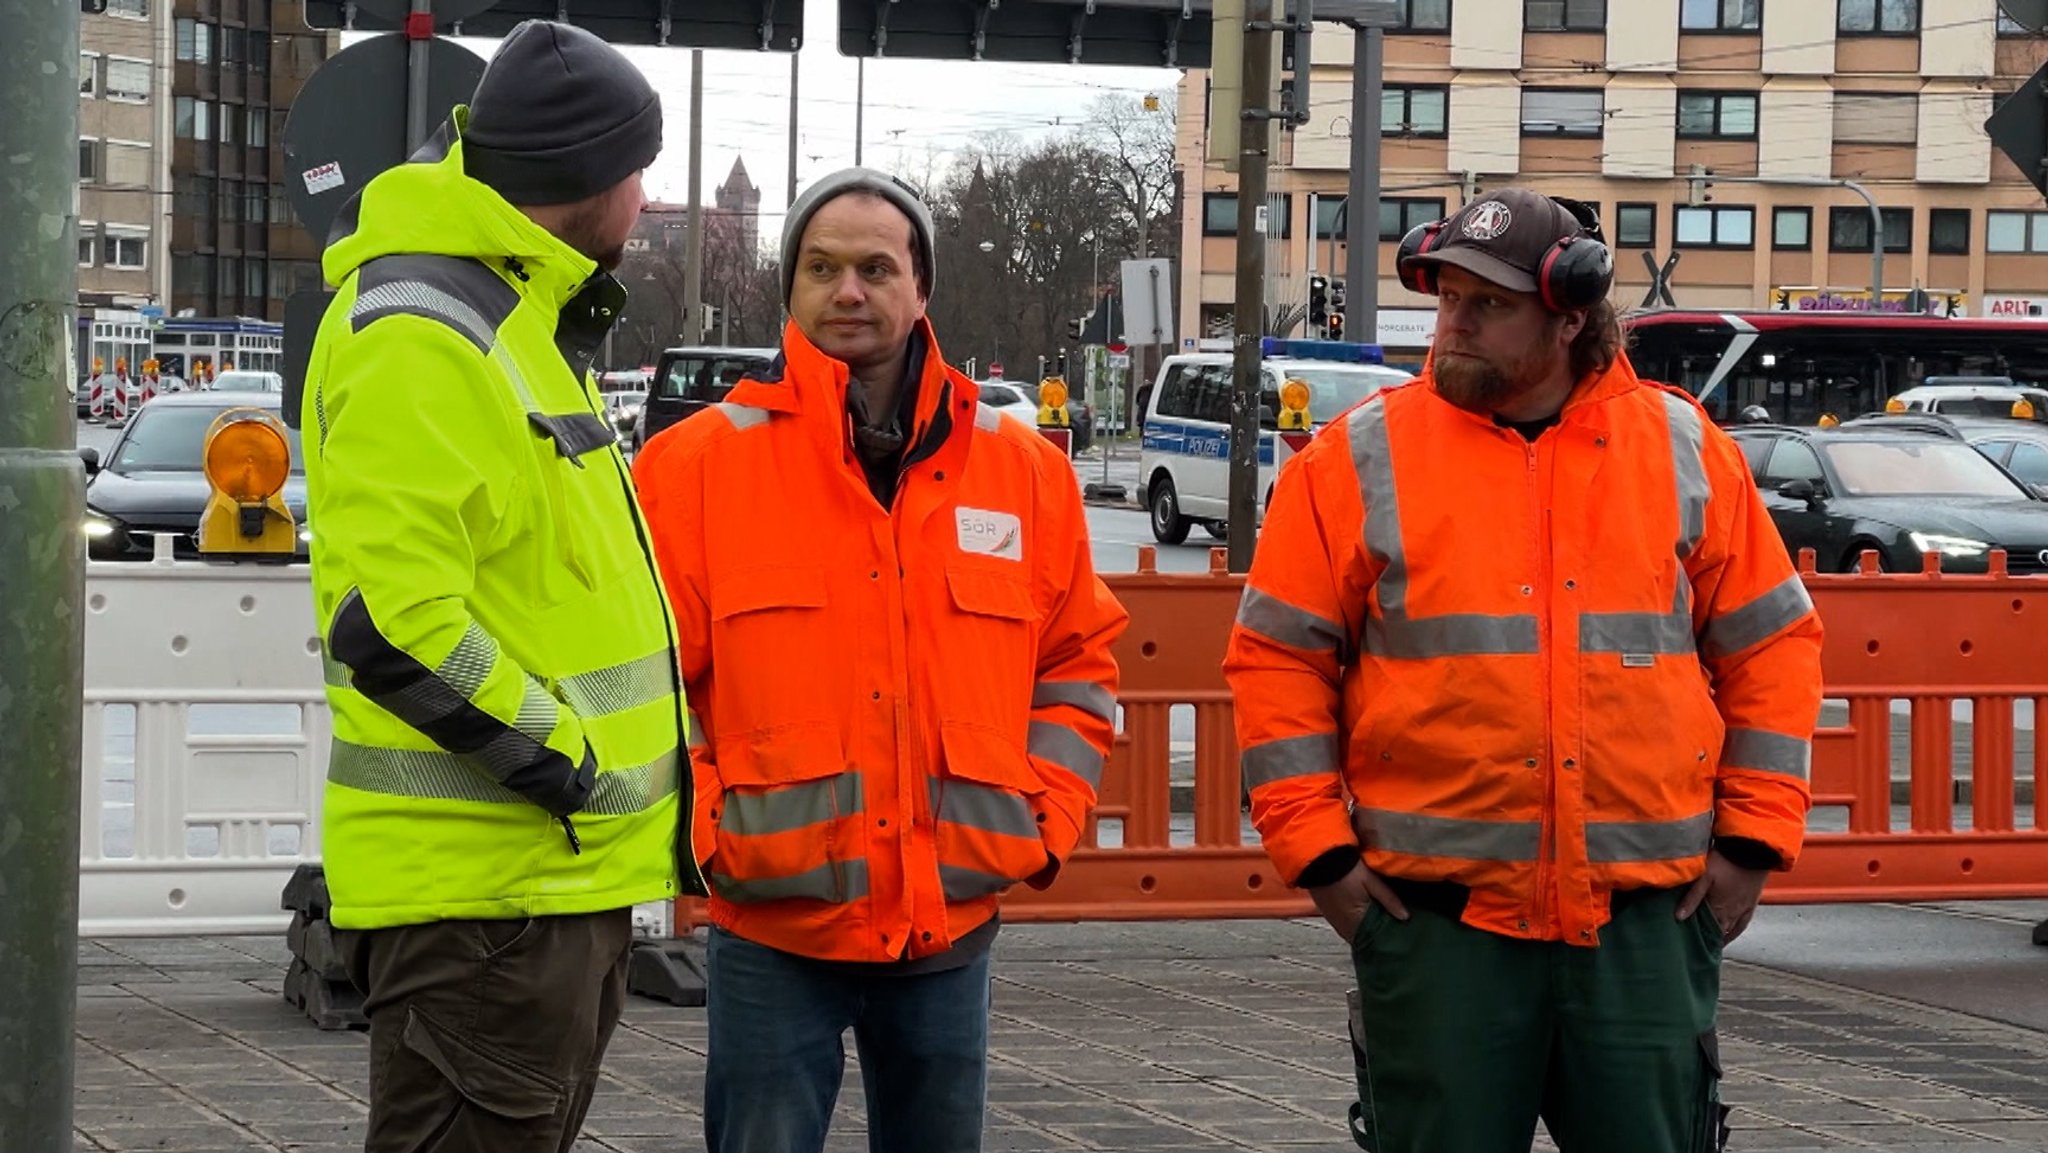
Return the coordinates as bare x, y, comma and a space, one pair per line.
840, 183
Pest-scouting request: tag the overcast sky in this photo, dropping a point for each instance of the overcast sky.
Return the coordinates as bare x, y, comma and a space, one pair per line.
909, 103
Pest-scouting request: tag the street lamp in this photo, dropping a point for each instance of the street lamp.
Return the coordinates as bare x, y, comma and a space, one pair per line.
987, 246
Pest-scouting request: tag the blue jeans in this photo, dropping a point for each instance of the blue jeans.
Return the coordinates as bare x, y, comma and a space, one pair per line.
778, 1052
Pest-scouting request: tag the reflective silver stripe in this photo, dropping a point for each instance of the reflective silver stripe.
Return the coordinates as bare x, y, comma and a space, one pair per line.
1615, 842
538, 712
1635, 633
1067, 749
696, 727
1287, 757
1087, 696
987, 418
1421, 835
836, 882
333, 672
742, 416
1688, 436
621, 687
503, 357
992, 810
1390, 632
470, 663
1768, 752
958, 884
415, 297
1758, 621
1451, 635
432, 774
791, 807
1276, 620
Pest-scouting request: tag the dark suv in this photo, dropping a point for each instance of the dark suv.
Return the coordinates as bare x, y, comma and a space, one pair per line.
1900, 486
687, 379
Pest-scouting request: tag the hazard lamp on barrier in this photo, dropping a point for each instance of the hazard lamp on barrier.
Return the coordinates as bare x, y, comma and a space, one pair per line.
1052, 403
1294, 397
248, 459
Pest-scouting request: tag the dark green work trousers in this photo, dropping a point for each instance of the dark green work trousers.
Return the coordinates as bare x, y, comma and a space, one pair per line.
1464, 1038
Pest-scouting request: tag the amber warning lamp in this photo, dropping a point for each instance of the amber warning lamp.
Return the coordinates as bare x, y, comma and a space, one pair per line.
247, 462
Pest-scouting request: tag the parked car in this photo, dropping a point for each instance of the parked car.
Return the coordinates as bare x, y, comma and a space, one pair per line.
1022, 401
1902, 487
153, 479
1993, 396
248, 380
688, 379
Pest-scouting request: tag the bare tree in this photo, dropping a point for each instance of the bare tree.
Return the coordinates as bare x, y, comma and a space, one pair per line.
1135, 137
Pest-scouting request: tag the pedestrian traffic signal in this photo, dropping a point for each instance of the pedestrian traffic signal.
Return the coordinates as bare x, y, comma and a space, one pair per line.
1318, 301
1698, 186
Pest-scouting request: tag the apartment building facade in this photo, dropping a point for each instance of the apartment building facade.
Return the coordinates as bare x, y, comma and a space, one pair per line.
236, 247
1615, 101
123, 229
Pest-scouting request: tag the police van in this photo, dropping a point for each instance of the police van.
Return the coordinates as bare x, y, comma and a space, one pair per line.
1184, 457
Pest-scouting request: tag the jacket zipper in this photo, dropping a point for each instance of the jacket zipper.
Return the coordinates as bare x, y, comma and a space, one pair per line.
1545, 849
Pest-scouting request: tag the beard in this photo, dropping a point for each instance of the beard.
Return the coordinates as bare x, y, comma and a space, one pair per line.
1474, 383
585, 232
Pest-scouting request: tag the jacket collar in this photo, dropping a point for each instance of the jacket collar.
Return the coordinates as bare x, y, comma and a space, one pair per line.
1618, 379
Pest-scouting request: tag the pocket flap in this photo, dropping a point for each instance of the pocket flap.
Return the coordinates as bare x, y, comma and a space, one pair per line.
991, 594
781, 756
767, 587
492, 1083
986, 756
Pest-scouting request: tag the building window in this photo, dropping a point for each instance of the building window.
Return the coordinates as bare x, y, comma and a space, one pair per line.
1792, 229
1713, 227
126, 164
254, 280
1849, 229
256, 205
1563, 111
1948, 231
193, 119
1564, 15
231, 123
1402, 215
133, 9
1219, 214
88, 161
1717, 115
88, 247
2010, 232
1878, 17
128, 79
195, 41
127, 248
1421, 16
1861, 118
259, 127
1723, 15
89, 74
1635, 225
1415, 110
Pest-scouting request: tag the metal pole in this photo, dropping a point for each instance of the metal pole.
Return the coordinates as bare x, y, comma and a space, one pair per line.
416, 126
1362, 212
1250, 319
1876, 243
693, 243
42, 570
860, 105
792, 127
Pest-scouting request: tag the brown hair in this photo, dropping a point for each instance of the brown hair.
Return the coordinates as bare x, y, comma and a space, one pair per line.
1600, 343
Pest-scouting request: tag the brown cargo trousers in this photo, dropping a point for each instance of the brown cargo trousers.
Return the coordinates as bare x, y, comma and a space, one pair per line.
486, 1036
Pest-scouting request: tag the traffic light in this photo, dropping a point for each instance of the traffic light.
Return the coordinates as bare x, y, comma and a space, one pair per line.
1337, 295
1471, 187
1336, 326
1698, 186
1074, 327
1318, 302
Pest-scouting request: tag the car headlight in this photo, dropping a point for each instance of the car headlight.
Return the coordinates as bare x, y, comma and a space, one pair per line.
1957, 546
98, 527
306, 533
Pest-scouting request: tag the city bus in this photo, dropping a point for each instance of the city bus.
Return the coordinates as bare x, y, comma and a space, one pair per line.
244, 343
1800, 365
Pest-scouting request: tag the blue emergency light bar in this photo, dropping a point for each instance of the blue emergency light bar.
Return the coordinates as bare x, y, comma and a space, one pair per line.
1341, 351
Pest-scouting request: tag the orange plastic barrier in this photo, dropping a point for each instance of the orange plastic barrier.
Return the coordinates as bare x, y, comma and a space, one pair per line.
1931, 640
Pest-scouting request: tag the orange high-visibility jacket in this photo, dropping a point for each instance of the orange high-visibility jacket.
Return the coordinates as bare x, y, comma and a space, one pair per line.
1544, 670
896, 713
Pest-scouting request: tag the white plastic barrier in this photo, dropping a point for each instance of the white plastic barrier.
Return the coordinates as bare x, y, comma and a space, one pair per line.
205, 751
206, 735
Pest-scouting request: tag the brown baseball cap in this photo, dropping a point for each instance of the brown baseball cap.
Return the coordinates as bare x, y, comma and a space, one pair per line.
1503, 237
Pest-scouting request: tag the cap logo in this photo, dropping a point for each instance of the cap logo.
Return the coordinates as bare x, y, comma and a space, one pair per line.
1488, 221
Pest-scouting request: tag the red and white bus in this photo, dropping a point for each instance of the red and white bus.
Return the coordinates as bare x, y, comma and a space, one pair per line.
1800, 365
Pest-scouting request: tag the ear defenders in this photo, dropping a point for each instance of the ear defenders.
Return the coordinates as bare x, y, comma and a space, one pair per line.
1574, 273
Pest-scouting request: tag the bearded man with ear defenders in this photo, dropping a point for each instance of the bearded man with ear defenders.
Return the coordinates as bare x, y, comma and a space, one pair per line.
1525, 687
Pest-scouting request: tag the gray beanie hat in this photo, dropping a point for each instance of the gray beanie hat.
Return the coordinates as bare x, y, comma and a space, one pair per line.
840, 183
559, 116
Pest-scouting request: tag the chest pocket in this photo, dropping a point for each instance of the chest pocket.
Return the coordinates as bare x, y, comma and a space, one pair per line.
778, 656
573, 455
990, 653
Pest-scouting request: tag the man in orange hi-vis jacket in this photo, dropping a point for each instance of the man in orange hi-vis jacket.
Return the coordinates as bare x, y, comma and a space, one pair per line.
898, 656
1525, 686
